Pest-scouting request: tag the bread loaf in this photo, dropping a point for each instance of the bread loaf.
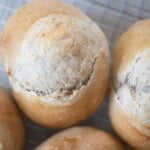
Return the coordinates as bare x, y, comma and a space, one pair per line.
130, 98
57, 61
11, 126
81, 138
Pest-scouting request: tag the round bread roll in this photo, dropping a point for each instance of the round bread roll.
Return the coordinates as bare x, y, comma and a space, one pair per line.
130, 98
57, 61
11, 127
81, 138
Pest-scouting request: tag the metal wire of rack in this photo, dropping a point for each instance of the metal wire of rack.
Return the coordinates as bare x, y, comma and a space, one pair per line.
114, 17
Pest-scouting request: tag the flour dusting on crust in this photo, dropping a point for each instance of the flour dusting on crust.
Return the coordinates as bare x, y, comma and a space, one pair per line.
57, 57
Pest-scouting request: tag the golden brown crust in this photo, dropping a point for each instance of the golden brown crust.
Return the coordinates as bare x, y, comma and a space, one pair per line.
136, 39
81, 138
66, 114
11, 127
122, 124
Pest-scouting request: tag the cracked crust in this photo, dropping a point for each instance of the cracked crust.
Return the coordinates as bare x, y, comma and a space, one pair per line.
58, 64
133, 88
74, 111
131, 82
81, 138
11, 126
136, 39
63, 51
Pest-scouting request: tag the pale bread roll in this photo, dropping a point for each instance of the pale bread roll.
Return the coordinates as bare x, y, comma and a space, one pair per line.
57, 60
81, 138
130, 97
11, 126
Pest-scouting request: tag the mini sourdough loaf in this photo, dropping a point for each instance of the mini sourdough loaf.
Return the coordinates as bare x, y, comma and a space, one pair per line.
57, 60
130, 99
11, 127
81, 138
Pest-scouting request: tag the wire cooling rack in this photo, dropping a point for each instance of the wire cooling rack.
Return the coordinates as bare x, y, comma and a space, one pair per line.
114, 17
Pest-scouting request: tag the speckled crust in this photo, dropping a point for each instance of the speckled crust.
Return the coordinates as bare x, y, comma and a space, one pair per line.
81, 138
57, 65
130, 98
11, 126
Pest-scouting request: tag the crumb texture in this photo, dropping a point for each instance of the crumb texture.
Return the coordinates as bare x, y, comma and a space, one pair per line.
59, 52
133, 89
